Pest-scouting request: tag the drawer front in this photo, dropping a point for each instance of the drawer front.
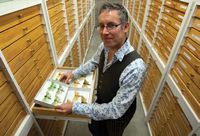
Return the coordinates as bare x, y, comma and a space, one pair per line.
55, 10
194, 35
17, 17
197, 13
187, 81
194, 76
2, 78
193, 47
169, 38
191, 59
196, 23
169, 28
9, 36
5, 90
25, 55
17, 47
171, 21
174, 13
186, 92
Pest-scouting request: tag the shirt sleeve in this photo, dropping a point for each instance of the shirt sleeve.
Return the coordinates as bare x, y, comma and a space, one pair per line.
90, 65
130, 82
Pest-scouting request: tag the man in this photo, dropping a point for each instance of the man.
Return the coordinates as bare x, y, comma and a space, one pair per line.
121, 73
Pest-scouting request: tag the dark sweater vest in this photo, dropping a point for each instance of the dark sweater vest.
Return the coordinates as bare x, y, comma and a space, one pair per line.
108, 81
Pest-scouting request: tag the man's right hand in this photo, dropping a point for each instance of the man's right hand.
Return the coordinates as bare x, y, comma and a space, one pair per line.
67, 77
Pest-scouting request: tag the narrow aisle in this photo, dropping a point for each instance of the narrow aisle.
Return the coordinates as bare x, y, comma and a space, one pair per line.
137, 126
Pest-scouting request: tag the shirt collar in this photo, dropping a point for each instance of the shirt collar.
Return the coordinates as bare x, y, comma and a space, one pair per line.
125, 49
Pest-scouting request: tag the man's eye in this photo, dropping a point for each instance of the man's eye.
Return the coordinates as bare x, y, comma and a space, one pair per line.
110, 26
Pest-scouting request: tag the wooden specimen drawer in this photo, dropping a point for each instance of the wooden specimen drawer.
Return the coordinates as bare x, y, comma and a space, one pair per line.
15, 48
55, 10
169, 28
178, 5
186, 92
187, 81
2, 78
9, 36
24, 56
193, 47
197, 13
17, 17
194, 76
174, 13
51, 113
194, 35
168, 37
56, 18
53, 3
191, 59
171, 21
196, 23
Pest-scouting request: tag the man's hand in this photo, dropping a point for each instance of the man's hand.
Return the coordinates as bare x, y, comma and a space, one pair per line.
67, 77
65, 108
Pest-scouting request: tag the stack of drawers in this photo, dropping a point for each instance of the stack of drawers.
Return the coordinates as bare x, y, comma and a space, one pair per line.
56, 16
136, 39
153, 15
144, 52
136, 9
82, 42
68, 62
80, 16
170, 23
186, 70
141, 13
168, 118
130, 6
27, 51
70, 9
151, 82
132, 34
11, 111
84, 6
75, 55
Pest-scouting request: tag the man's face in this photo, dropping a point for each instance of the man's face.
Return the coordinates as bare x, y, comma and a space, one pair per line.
112, 31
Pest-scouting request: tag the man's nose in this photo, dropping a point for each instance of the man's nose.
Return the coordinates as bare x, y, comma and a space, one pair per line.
105, 30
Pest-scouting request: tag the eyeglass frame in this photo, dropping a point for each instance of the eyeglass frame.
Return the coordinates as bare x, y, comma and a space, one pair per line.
108, 27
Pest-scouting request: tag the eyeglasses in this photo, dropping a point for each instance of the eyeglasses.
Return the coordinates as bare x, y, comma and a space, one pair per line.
109, 27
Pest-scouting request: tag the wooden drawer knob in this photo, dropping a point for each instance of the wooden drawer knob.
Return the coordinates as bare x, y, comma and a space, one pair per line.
20, 16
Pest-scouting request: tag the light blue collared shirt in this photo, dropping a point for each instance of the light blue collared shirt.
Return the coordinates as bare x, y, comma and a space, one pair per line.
129, 85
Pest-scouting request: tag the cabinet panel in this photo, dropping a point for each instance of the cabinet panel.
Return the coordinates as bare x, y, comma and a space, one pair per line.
17, 17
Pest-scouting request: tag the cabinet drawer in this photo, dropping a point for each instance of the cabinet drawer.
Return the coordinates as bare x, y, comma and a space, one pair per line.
193, 47
187, 81
12, 120
9, 36
53, 3
186, 92
196, 23
191, 59
174, 13
25, 55
5, 90
2, 78
180, 6
14, 49
55, 10
171, 21
197, 13
169, 28
194, 35
12, 19
167, 36
194, 76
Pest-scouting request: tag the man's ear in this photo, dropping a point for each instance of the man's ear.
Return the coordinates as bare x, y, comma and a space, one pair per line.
126, 26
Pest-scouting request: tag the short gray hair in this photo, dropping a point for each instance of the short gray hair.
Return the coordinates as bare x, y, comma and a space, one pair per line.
122, 12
